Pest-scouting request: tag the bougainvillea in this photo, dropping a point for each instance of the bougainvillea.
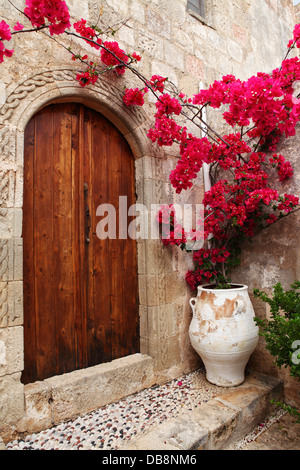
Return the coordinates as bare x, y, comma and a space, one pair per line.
157, 83
18, 26
116, 58
88, 33
55, 11
134, 96
241, 202
5, 35
241, 199
87, 77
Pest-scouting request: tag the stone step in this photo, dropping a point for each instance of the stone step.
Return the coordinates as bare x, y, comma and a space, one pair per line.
217, 424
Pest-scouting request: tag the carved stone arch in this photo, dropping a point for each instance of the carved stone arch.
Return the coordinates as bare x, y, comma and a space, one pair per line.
57, 85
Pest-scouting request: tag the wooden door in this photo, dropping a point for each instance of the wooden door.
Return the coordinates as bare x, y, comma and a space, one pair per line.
80, 292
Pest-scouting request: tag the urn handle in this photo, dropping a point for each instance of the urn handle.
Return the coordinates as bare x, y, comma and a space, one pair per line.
193, 302
239, 306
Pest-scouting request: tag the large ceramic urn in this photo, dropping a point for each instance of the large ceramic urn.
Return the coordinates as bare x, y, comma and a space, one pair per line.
223, 332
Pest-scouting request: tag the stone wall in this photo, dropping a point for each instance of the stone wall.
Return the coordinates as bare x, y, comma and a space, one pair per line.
234, 37
297, 13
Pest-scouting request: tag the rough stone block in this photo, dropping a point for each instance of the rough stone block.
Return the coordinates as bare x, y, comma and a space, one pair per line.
137, 11
174, 56
235, 51
157, 168
7, 188
3, 304
253, 400
2, 93
6, 222
38, 406
148, 43
11, 303
157, 23
178, 434
18, 220
161, 289
169, 315
219, 420
195, 67
2, 445
12, 400
7, 145
11, 259
18, 259
165, 70
15, 303
158, 258
10, 222
11, 350
69, 395
19, 182
6, 259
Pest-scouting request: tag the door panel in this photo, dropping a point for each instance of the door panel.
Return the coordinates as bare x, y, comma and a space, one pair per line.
80, 292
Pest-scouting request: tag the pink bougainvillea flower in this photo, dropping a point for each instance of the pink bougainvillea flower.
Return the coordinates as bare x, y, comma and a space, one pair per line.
88, 33
283, 167
296, 34
271, 218
288, 202
157, 83
55, 11
18, 27
5, 35
112, 55
134, 96
5, 52
167, 105
137, 57
88, 77
166, 131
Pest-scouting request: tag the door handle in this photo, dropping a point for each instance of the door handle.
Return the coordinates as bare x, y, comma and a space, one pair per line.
87, 224
87, 215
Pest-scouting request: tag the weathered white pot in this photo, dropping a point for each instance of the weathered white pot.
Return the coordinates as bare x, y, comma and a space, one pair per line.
223, 332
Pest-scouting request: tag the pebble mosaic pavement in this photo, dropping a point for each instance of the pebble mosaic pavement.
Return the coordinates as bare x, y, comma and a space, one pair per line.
114, 424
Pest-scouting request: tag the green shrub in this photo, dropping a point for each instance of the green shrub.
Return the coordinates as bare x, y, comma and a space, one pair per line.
282, 330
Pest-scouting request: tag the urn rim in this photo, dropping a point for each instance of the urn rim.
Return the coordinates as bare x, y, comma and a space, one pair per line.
211, 288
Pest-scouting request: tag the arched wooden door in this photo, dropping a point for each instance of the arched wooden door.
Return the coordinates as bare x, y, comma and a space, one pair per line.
80, 292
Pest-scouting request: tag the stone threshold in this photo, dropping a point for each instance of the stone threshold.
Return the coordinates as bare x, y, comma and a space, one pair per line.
64, 397
219, 423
